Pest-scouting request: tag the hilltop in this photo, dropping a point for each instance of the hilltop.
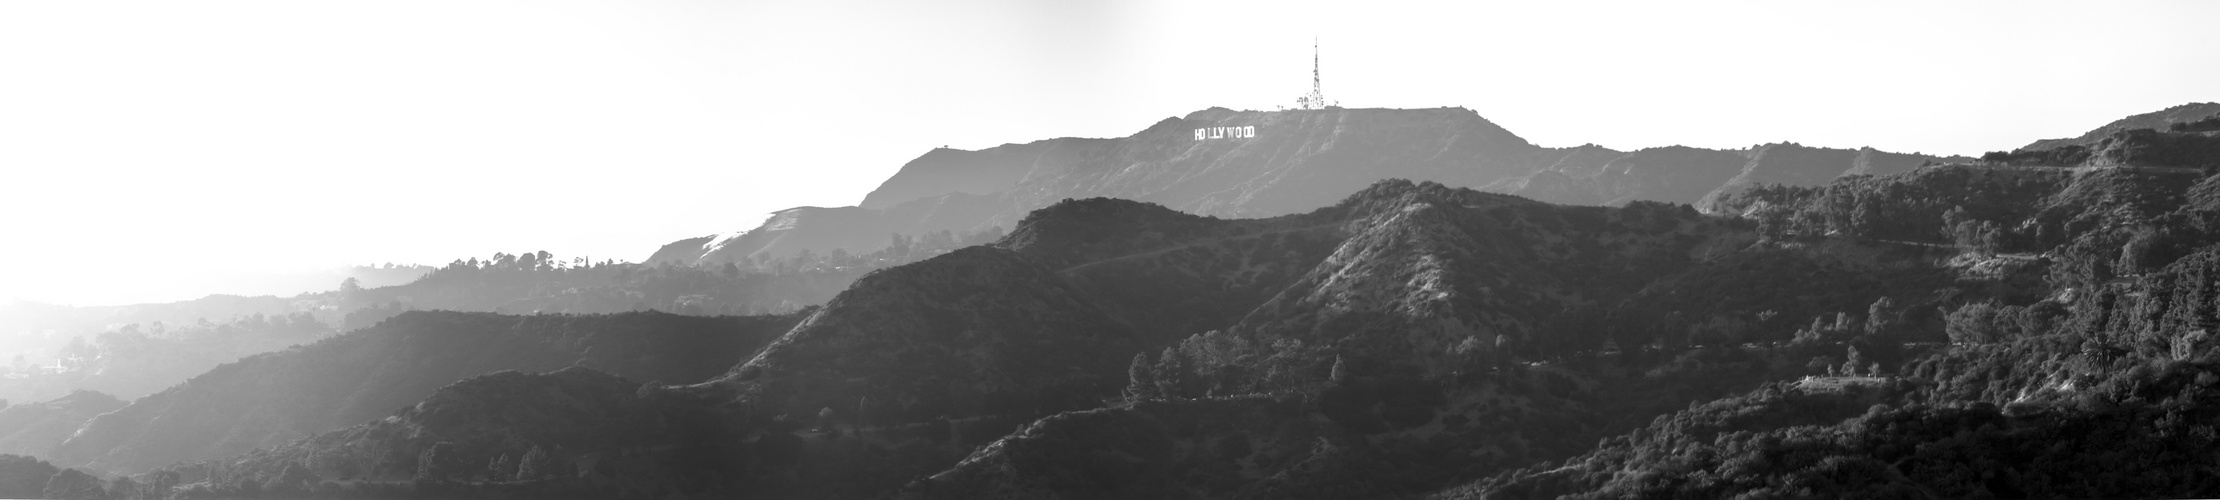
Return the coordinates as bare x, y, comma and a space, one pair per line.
1298, 160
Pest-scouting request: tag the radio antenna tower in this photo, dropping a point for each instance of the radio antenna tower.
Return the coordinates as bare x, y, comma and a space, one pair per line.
1317, 98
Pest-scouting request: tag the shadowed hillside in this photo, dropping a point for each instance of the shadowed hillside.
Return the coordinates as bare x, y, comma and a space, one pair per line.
363, 375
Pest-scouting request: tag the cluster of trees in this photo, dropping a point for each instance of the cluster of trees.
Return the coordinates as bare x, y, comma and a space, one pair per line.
2208, 124
27, 477
442, 462
2062, 156
542, 282
1931, 205
528, 261
2179, 145
2146, 147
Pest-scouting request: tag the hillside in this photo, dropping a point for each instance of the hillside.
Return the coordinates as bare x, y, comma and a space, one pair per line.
34, 429
1416, 339
573, 433
2084, 379
1297, 161
2158, 120
362, 375
981, 331
992, 170
1392, 343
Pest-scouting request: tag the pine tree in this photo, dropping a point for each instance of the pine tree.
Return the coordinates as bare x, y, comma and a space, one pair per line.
501, 467
535, 464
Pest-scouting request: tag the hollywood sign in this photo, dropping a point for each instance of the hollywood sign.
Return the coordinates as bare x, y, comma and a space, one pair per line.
1225, 132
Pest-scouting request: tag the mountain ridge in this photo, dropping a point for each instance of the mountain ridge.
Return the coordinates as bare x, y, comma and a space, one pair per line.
1298, 160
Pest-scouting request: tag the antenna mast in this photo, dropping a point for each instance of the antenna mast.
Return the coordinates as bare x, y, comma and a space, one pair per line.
1317, 97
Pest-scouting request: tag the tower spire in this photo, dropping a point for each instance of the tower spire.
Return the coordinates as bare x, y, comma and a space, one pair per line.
1316, 99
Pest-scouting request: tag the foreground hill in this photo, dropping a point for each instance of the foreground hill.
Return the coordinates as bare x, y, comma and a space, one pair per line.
363, 375
2089, 383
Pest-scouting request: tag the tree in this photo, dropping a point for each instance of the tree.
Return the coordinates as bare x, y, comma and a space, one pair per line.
535, 464
900, 246
350, 287
1852, 363
125, 488
1171, 374
73, 485
1881, 316
1340, 372
1140, 382
500, 467
439, 463
1953, 227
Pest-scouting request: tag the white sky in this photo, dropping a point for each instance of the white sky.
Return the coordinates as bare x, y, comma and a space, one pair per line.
146, 146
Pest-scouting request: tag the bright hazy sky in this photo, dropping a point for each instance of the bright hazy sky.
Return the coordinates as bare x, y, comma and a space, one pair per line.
146, 146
